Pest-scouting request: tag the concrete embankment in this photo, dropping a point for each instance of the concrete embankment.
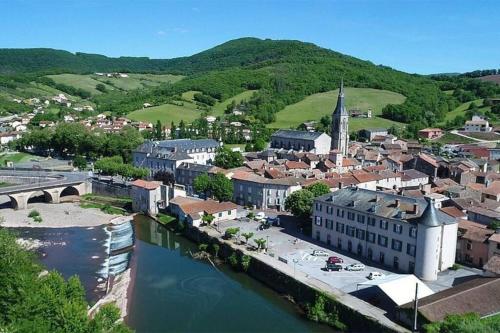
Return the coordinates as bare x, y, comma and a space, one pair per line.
356, 314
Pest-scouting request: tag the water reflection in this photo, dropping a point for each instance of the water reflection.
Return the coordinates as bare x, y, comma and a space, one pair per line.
174, 293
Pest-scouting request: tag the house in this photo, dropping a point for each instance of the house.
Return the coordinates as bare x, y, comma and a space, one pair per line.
313, 142
413, 178
480, 295
370, 133
309, 126
7, 137
169, 154
408, 234
477, 124
430, 133
191, 210
186, 172
250, 189
146, 196
472, 243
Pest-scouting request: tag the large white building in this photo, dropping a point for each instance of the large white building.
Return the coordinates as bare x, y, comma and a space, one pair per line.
408, 234
167, 155
312, 142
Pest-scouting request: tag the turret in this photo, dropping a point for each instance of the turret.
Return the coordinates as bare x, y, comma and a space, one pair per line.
340, 124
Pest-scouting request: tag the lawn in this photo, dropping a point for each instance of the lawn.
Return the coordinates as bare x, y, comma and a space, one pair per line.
460, 110
315, 106
16, 158
167, 113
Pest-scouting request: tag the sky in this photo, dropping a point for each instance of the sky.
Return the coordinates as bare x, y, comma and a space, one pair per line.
416, 36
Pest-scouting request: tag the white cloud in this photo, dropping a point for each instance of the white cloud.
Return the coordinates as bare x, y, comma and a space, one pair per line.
161, 33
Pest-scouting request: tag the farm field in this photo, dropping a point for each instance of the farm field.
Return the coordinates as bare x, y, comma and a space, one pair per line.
315, 106
219, 108
450, 138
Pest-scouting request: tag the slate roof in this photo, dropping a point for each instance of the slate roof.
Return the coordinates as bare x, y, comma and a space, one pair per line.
293, 134
385, 206
179, 145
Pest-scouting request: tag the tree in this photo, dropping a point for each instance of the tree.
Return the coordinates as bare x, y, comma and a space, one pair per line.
300, 203
221, 187
202, 184
468, 323
80, 162
494, 225
318, 189
216, 248
207, 218
228, 159
231, 232
159, 130
166, 177
247, 236
101, 87
259, 144
261, 243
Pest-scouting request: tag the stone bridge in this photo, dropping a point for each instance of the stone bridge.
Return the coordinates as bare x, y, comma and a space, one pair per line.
20, 186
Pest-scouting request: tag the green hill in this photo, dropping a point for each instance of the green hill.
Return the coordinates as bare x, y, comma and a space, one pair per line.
315, 106
282, 73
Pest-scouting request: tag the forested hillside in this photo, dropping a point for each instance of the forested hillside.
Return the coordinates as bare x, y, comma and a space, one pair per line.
282, 73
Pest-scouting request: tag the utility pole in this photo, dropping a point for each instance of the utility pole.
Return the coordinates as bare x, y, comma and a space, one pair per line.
415, 308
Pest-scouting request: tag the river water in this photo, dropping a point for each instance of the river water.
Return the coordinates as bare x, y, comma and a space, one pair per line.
170, 291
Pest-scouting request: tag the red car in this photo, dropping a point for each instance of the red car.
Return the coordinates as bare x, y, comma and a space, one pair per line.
335, 260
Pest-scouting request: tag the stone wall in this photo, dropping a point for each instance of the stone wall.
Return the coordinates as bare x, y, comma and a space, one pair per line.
110, 189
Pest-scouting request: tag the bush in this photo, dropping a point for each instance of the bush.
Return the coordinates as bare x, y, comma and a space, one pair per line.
233, 259
203, 247
34, 213
231, 232
37, 219
455, 267
245, 262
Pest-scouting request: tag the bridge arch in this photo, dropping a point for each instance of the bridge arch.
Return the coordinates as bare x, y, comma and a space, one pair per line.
70, 191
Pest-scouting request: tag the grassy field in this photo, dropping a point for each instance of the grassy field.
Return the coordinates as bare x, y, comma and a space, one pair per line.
167, 113
186, 111
315, 106
134, 81
219, 108
460, 110
16, 158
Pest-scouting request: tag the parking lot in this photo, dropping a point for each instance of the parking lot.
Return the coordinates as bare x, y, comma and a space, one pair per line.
290, 246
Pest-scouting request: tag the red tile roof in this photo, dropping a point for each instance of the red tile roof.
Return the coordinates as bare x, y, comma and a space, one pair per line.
148, 185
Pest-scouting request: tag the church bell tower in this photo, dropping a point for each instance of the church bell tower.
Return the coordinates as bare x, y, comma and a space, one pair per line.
340, 124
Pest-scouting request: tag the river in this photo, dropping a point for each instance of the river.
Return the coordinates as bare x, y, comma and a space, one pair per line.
172, 292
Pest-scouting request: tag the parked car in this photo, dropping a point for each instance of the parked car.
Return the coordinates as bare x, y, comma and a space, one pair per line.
273, 221
260, 216
333, 267
375, 275
355, 267
335, 260
319, 253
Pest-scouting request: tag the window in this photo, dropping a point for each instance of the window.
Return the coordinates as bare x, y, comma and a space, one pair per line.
469, 245
361, 218
413, 232
383, 224
340, 227
350, 231
382, 240
350, 216
220, 214
328, 224
410, 249
397, 245
398, 228
228, 212
340, 212
370, 237
318, 221
360, 234
371, 221
329, 210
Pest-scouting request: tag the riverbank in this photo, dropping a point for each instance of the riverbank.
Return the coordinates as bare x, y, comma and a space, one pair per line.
62, 215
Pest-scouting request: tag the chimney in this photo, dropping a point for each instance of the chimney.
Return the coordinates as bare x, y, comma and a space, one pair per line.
415, 208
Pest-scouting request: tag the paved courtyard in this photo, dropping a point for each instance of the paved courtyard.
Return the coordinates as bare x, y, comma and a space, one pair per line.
290, 246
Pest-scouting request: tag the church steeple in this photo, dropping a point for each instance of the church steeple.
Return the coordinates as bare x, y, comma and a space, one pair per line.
340, 124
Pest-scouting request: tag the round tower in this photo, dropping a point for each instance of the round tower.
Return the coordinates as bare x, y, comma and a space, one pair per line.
428, 243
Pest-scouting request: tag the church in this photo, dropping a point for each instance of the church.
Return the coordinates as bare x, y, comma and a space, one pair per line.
340, 125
